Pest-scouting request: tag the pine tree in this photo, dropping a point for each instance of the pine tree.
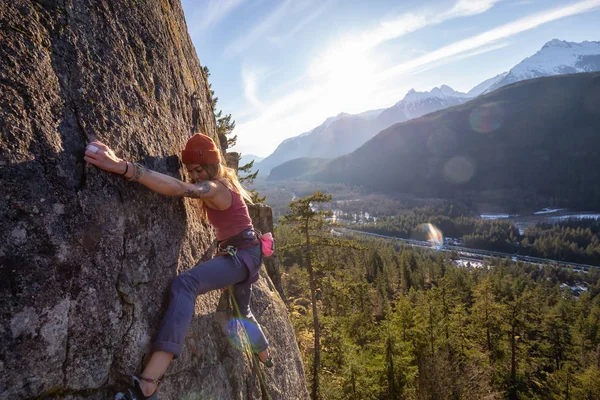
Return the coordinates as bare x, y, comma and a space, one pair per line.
393, 392
225, 126
487, 319
311, 223
249, 179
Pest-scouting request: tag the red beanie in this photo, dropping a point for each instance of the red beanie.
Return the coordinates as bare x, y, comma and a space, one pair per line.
200, 149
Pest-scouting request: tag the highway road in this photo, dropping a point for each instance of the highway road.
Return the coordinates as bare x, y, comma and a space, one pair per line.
466, 252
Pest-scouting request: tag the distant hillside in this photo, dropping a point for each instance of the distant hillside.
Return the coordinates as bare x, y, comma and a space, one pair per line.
336, 136
345, 133
535, 142
296, 168
246, 158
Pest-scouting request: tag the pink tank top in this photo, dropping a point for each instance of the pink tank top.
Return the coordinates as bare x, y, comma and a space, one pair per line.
231, 221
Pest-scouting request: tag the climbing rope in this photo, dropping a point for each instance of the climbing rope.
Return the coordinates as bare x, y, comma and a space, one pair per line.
249, 345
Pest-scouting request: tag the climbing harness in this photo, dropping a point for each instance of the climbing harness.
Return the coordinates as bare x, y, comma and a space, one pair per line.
239, 241
230, 250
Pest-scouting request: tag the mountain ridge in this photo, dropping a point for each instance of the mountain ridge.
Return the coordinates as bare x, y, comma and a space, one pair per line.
506, 146
556, 57
415, 104
330, 139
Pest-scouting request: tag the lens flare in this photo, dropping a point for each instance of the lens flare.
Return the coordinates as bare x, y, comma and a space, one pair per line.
459, 169
487, 117
432, 234
238, 328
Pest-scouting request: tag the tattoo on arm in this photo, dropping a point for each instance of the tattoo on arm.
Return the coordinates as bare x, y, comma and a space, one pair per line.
138, 171
200, 189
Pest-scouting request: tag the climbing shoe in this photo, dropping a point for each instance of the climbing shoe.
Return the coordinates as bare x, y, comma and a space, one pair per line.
268, 362
135, 392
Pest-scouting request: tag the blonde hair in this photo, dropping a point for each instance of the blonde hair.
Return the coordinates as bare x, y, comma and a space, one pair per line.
229, 175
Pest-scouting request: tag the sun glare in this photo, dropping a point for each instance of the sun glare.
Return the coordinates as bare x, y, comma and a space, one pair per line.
342, 62
344, 72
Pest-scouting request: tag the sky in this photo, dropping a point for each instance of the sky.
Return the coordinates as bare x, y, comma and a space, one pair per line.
280, 68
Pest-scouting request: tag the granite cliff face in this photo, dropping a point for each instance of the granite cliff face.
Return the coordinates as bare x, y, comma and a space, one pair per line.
86, 258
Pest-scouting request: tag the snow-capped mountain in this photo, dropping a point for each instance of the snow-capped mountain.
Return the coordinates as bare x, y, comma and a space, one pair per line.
416, 104
485, 85
344, 133
556, 57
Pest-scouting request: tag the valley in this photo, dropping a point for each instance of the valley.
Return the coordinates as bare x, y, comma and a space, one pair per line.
462, 207
557, 234
467, 257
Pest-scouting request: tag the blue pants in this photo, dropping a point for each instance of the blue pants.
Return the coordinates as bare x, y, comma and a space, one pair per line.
218, 273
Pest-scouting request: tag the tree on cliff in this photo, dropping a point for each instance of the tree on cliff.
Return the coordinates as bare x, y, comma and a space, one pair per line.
225, 124
248, 179
310, 224
225, 127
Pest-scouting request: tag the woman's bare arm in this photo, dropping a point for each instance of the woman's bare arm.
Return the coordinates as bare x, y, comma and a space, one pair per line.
103, 157
167, 185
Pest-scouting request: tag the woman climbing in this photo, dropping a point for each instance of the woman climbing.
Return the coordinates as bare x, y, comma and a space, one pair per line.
237, 266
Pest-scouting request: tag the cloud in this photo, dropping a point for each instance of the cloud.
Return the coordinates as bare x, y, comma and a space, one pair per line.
251, 78
308, 19
457, 57
489, 37
215, 11
333, 60
523, 2
346, 77
280, 40
464, 8
341, 73
410, 22
249, 38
